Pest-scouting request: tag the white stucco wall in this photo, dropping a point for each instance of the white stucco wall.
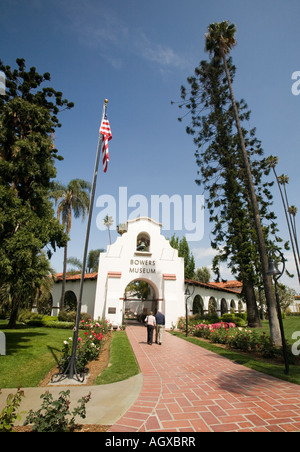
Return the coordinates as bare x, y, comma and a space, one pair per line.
88, 295
122, 263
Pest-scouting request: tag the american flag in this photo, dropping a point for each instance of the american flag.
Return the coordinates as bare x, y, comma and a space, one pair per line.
106, 132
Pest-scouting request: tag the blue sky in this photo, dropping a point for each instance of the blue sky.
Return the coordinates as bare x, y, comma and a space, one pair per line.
138, 53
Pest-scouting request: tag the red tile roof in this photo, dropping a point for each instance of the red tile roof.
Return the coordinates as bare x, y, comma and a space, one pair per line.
229, 286
76, 277
234, 285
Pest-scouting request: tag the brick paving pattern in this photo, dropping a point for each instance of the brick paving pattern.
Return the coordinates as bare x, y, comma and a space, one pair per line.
189, 389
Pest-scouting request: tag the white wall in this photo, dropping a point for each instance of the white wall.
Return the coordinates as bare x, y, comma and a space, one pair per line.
122, 264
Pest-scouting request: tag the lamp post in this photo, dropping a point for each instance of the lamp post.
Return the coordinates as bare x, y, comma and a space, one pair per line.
188, 295
276, 273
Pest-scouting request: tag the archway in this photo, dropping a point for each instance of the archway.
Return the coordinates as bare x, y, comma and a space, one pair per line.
232, 307
198, 305
212, 306
70, 301
224, 307
140, 298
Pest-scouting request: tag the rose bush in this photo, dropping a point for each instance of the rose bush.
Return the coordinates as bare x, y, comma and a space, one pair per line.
239, 338
89, 344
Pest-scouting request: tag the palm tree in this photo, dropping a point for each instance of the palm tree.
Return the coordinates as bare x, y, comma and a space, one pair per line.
92, 261
108, 221
219, 41
289, 211
72, 199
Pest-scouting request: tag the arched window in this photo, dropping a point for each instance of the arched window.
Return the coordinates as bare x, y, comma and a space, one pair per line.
198, 305
143, 242
232, 306
224, 308
70, 301
212, 306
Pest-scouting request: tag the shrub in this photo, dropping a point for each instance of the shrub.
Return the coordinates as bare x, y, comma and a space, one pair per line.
8, 415
67, 316
58, 324
243, 339
238, 319
53, 415
88, 347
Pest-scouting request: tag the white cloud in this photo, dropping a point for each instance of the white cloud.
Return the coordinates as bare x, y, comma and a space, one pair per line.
114, 39
159, 53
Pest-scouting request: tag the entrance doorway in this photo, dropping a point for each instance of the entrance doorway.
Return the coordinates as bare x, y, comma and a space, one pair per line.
139, 300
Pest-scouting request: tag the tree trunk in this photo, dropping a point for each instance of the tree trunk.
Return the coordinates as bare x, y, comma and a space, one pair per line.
63, 289
14, 312
270, 298
252, 309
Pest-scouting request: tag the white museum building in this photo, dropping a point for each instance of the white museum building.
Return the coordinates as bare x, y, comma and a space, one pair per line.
144, 254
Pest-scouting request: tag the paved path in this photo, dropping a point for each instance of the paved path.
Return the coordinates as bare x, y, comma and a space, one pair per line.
189, 389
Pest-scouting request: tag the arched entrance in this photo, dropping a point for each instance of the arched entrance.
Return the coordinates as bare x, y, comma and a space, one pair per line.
198, 305
70, 300
140, 298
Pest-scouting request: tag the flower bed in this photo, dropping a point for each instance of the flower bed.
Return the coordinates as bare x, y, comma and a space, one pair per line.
239, 338
89, 344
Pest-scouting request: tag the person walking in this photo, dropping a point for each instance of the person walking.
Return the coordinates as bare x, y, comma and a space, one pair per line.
160, 323
150, 322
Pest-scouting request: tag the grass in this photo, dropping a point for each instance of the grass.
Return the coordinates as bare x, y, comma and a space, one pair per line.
30, 354
122, 364
33, 352
290, 325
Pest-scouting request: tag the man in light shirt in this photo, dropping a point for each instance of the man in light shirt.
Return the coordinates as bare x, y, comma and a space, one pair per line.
150, 322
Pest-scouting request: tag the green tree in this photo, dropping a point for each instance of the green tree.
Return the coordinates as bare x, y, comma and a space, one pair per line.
92, 261
70, 200
202, 274
220, 39
221, 175
28, 118
184, 251
226, 164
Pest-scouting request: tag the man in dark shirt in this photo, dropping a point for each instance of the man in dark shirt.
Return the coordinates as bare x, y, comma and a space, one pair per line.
160, 323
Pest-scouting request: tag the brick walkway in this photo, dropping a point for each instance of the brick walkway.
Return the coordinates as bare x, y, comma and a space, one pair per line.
189, 389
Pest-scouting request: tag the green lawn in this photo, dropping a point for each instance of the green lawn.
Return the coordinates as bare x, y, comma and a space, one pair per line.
122, 364
290, 324
30, 354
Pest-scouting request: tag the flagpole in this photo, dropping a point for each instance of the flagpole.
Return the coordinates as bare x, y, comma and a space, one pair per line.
71, 369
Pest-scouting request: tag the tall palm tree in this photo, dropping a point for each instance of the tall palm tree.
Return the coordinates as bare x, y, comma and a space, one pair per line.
108, 221
72, 199
289, 211
220, 39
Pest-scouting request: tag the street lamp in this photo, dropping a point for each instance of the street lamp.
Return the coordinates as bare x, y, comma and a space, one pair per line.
276, 273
